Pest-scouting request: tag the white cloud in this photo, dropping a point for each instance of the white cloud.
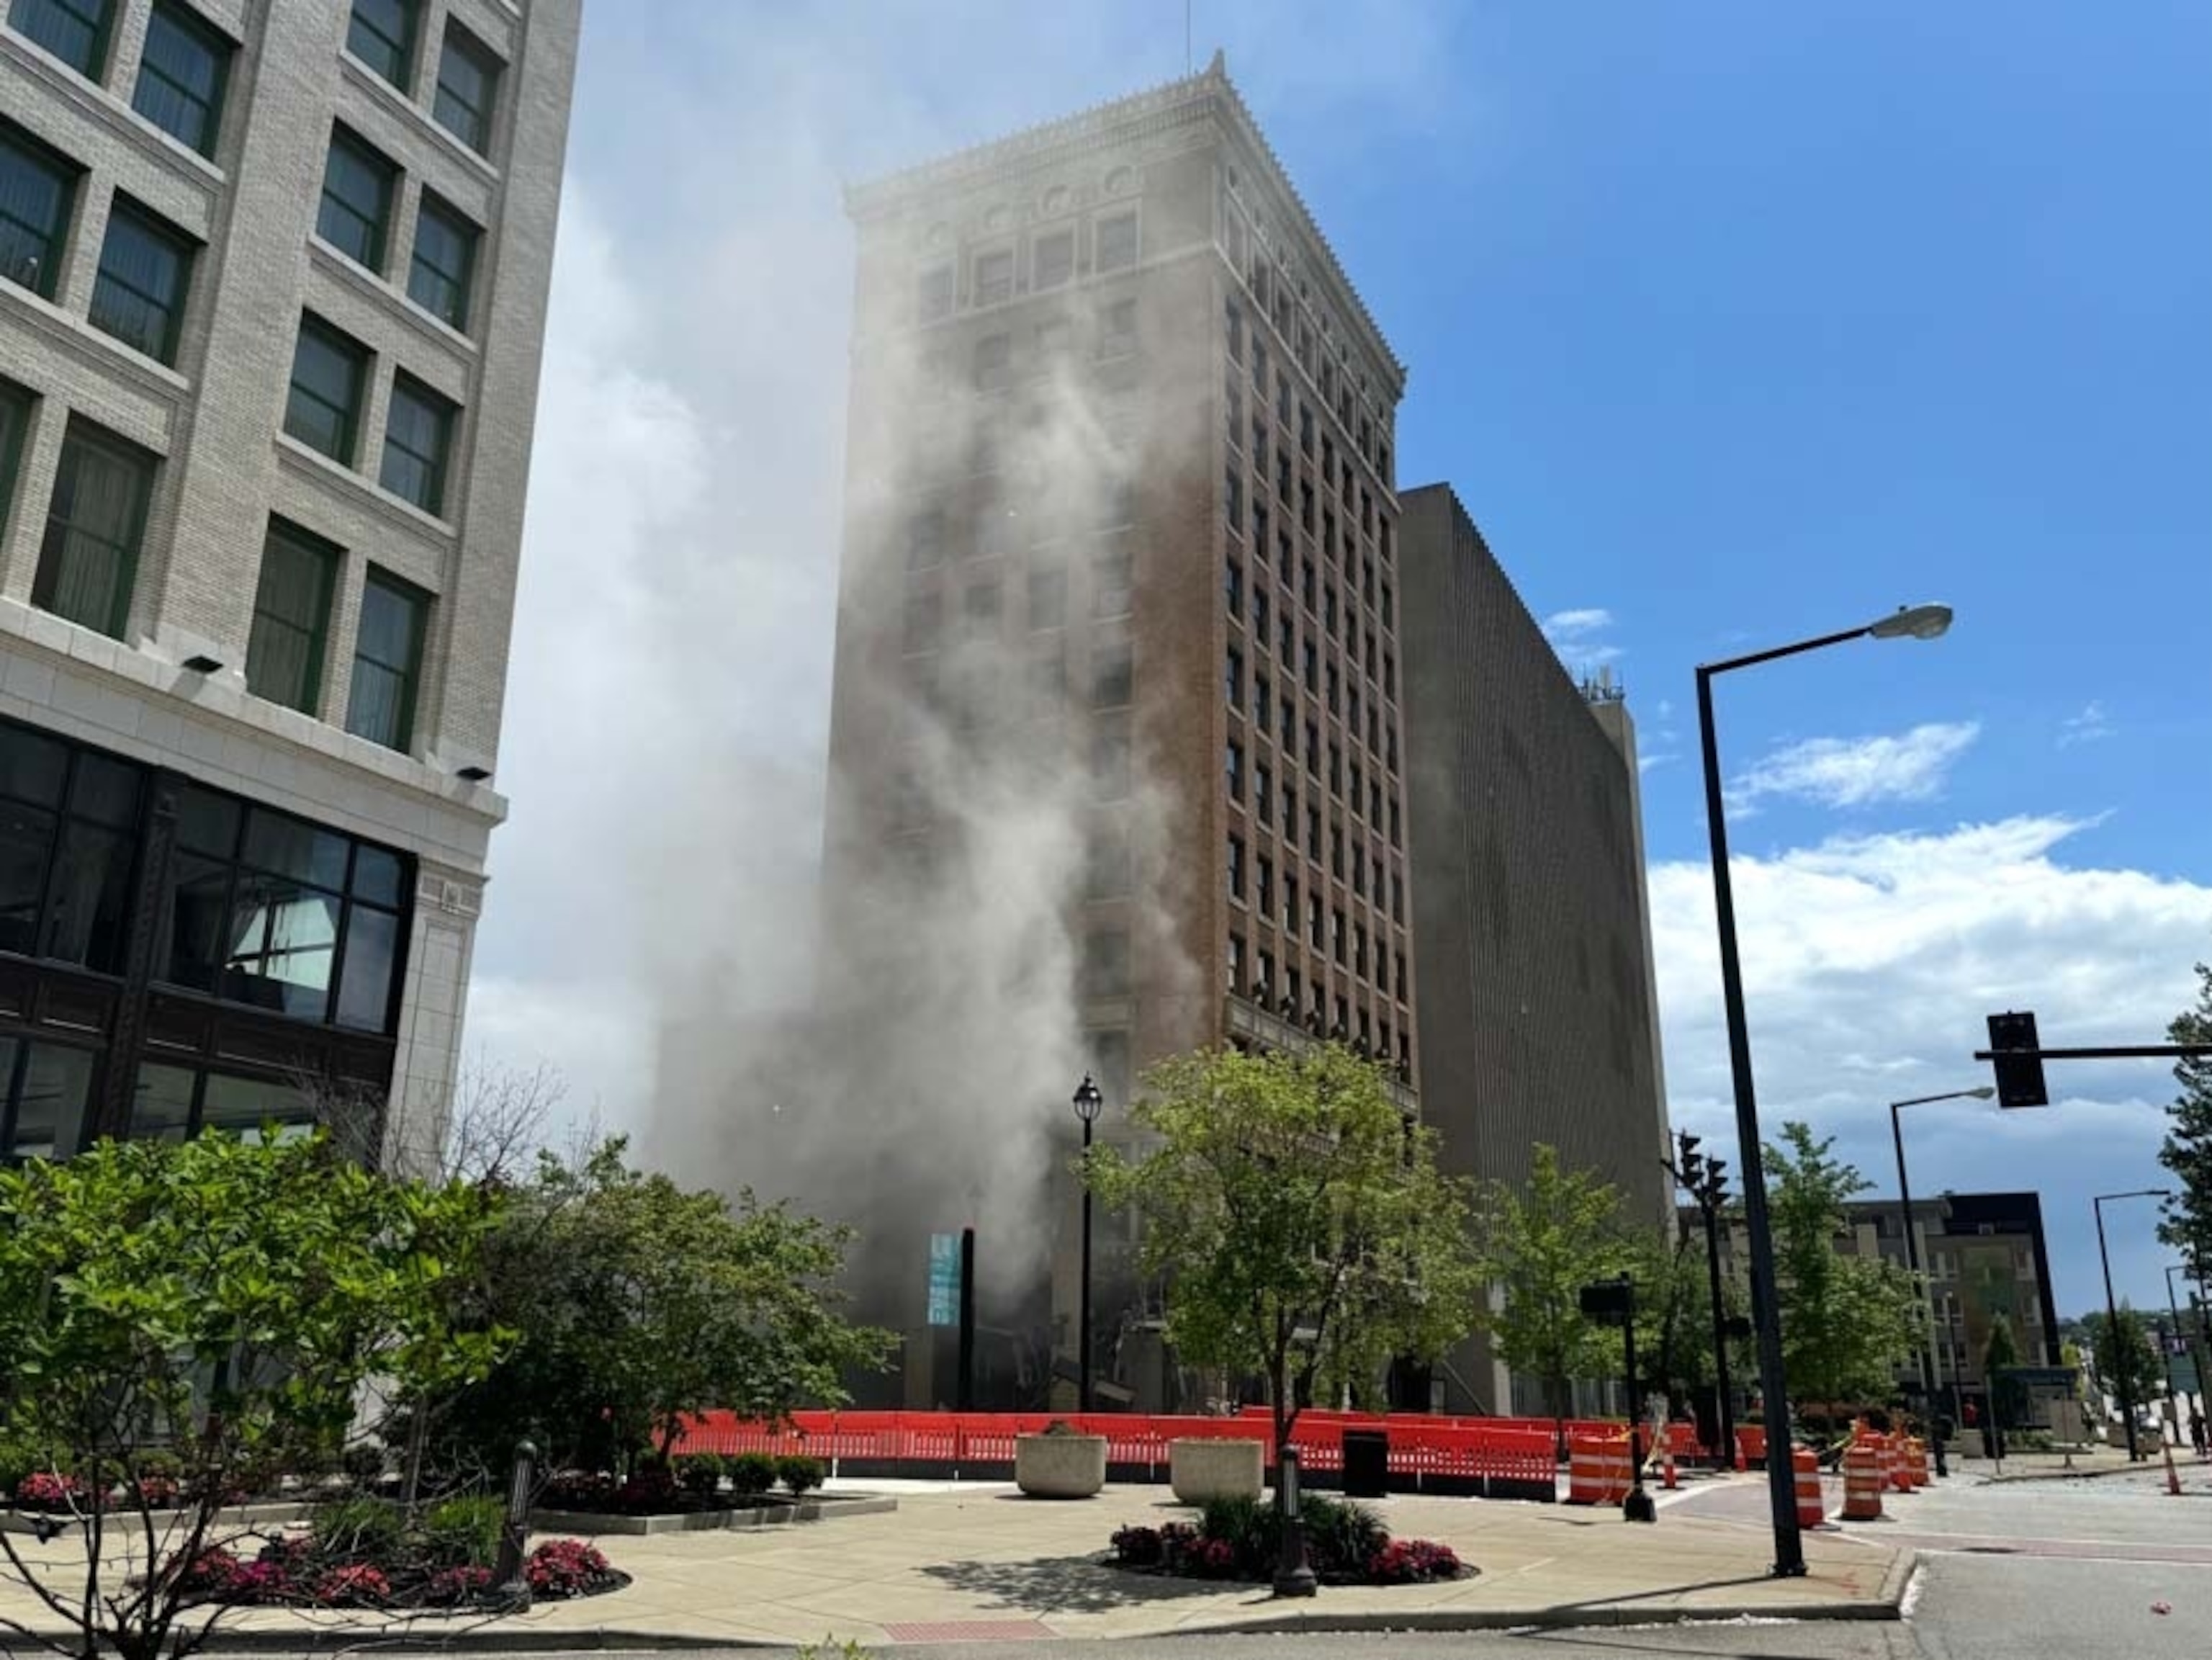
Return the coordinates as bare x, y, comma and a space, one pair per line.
1851, 772
1574, 624
1870, 963
2087, 728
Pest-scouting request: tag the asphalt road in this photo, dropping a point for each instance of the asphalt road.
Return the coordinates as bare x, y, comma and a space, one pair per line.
2027, 1570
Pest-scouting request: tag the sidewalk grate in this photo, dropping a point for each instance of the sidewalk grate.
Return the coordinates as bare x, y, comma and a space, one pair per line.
968, 1631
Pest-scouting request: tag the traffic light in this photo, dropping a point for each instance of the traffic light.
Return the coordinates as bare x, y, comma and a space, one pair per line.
2020, 1076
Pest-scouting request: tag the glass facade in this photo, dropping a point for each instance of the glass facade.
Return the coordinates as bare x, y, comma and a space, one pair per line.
260, 951
181, 78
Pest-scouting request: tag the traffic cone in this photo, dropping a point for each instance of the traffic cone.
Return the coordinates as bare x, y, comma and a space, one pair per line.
2172, 1477
1669, 1480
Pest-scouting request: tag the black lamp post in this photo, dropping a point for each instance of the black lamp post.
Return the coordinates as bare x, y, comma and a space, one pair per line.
1706, 1180
1927, 1379
1916, 622
1088, 1104
2112, 1314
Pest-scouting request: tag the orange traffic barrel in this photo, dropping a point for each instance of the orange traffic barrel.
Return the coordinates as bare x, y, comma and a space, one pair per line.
1811, 1510
1863, 1483
1598, 1470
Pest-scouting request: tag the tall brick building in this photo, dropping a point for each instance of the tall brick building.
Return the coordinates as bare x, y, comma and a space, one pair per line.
1123, 564
272, 294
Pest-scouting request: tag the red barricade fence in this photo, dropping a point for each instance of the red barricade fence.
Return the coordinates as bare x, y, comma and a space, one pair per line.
1498, 1458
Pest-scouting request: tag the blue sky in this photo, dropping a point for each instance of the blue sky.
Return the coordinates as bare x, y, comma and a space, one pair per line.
1733, 323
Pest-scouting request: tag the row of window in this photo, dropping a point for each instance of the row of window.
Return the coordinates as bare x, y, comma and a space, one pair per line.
255, 907
89, 564
992, 277
360, 185
1337, 482
1113, 594
383, 35
1357, 1022
1346, 948
45, 1089
1372, 798
328, 394
1335, 680
182, 74
994, 363
1366, 869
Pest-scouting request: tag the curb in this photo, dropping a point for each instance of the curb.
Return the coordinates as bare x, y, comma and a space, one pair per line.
1887, 1604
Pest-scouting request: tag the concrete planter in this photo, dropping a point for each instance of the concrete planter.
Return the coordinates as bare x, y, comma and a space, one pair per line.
1200, 1470
1059, 1466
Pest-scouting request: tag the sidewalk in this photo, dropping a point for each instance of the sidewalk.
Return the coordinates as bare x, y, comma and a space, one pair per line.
980, 1562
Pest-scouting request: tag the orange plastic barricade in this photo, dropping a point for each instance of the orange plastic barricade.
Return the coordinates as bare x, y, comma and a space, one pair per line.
1900, 1464
1751, 1445
1812, 1509
1863, 1483
1916, 1461
1598, 1470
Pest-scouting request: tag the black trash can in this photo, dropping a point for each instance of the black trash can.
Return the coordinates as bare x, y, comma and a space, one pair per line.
1366, 1463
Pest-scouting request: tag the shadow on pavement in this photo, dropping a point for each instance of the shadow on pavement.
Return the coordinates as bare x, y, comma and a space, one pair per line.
1067, 1584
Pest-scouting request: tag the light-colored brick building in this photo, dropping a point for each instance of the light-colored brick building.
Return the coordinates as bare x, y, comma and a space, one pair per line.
273, 278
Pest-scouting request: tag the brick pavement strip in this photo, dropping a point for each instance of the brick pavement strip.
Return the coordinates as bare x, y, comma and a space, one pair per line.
983, 1556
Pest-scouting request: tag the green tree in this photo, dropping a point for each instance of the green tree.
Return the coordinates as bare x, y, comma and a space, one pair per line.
2186, 1224
1304, 1231
1542, 1244
213, 1308
2125, 1352
1847, 1321
636, 1301
2008, 1395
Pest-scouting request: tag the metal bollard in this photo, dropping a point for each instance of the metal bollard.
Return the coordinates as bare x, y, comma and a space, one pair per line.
1294, 1576
516, 1530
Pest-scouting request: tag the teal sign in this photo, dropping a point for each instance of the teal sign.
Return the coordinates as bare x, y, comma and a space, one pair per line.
944, 1278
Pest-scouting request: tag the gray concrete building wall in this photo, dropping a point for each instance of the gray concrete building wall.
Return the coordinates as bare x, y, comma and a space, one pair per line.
1529, 922
212, 421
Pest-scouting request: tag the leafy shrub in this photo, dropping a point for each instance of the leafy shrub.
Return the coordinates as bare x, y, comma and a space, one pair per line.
650, 1491
577, 1490
799, 1475
43, 1490
750, 1473
357, 1529
1341, 1538
450, 1585
465, 1532
1248, 1526
564, 1567
155, 1491
1136, 1546
1409, 1561
701, 1475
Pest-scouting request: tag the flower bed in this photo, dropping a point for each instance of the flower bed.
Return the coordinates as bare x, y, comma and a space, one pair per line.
697, 1484
1239, 1539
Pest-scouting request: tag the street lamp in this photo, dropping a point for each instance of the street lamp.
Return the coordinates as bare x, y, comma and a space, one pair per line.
1915, 623
1706, 1180
1927, 1379
2112, 1311
1088, 1104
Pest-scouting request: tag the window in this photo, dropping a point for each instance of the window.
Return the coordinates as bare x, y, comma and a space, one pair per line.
924, 621
291, 617
1397, 965
1235, 965
387, 661
181, 78
1307, 586
1106, 963
1313, 759
1234, 320
1336, 768
1283, 477
994, 362
1117, 330
1293, 988
69, 822
1259, 617
1236, 868
1048, 590
1313, 926
1306, 428
1395, 832
269, 910
36, 189
1233, 586
90, 554
1397, 899
1386, 618
1110, 763
14, 417
1290, 728
979, 608
1107, 867
417, 432
1308, 658
356, 200
75, 31
1306, 506
1233, 769
323, 409
1290, 904
381, 33
1233, 496
444, 260
1313, 831
1259, 365
145, 268
1113, 591
468, 85
925, 539
47, 1086
1263, 791
1336, 941
1117, 241
935, 298
1233, 677
1111, 677
994, 276
1263, 985
1052, 261
1336, 851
